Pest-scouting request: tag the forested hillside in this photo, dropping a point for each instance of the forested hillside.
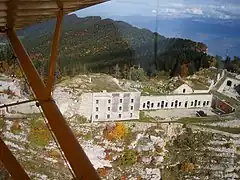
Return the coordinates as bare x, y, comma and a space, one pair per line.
93, 44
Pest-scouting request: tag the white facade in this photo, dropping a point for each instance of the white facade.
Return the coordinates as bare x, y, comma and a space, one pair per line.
110, 106
175, 101
113, 106
183, 89
186, 89
228, 84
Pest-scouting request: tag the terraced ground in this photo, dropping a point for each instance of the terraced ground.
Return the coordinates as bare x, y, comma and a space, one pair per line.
190, 148
32, 145
203, 153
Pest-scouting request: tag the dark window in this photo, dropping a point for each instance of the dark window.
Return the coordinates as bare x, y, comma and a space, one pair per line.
120, 100
108, 116
172, 104
120, 108
152, 105
132, 100
207, 103
229, 83
97, 108
179, 104
97, 101
144, 105
131, 107
148, 104
109, 108
158, 105
184, 90
166, 104
162, 104
204, 103
131, 114
176, 103
109, 101
199, 103
96, 117
195, 104
119, 115
186, 104
192, 103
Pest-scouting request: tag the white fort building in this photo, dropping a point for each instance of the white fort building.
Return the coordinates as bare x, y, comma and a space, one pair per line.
109, 106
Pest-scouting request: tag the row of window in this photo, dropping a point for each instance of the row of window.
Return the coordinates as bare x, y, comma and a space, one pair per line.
108, 116
120, 108
175, 104
109, 101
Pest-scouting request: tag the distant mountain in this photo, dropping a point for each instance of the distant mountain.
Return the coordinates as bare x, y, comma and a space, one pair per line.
97, 45
219, 35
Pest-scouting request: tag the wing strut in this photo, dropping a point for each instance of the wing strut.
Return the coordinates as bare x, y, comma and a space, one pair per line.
74, 153
10, 163
54, 52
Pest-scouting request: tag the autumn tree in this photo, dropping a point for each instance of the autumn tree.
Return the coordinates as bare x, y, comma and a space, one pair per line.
102, 172
117, 132
184, 70
188, 167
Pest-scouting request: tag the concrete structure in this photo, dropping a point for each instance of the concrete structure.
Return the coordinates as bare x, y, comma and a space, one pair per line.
227, 84
108, 106
183, 97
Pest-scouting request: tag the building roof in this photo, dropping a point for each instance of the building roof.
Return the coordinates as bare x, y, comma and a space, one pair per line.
21, 13
196, 85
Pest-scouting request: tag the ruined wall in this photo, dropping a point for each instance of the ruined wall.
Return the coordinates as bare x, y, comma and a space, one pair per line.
225, 87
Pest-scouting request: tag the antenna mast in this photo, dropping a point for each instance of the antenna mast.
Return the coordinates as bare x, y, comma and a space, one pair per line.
156, 36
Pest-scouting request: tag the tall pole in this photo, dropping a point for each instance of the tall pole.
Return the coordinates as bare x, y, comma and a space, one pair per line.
156, 37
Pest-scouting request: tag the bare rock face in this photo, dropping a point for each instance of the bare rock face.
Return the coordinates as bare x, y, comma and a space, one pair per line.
153, 174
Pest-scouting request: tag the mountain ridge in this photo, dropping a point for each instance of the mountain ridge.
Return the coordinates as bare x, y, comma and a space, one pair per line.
95, 44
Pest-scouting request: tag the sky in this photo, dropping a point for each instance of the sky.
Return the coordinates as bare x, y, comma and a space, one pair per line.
217, 9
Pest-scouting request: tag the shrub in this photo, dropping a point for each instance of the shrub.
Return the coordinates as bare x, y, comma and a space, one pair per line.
81, 119
128, 158
2, 123
88, 136
16, 127
187, 167
56, 154
143, 117
159, 149
238, 149
39, 135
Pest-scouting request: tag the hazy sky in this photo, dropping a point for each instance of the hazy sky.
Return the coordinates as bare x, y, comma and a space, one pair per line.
219, 9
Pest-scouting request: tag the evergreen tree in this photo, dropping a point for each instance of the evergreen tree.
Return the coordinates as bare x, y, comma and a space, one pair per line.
117, 73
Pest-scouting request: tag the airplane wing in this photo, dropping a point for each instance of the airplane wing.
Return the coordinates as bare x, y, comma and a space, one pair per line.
21, 13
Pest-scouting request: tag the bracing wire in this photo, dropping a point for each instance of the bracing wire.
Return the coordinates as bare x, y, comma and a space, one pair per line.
44, 118
55, 140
